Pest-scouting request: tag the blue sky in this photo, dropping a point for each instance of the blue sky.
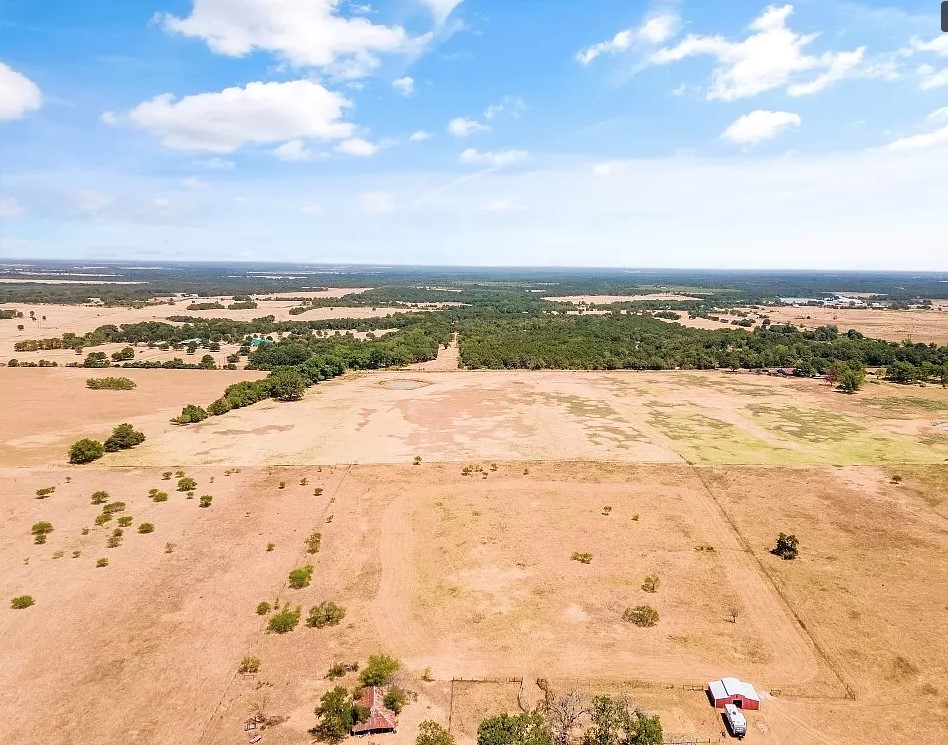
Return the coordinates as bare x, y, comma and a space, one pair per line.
671, 134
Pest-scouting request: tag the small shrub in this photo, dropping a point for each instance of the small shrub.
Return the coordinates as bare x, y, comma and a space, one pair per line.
606, 510
146, 528
329, 519
190, 414
313, 543
379, 670
170, 547
325, 614
112, 507
206, 500
395, 699
39, 539
641, 615
787, 547
317, 492
426, 675
76, 554
304, 481
896, 479
526, 471
417, 460
263, 608
100, 497
651, 583
283, 485
582, 557
284, 621
249, 665
300, 577
186, 483
85, 531
635, 517
102, 562
114, 541
41, 528
43, 493
103, 518
125, 521
58, 554
336, 670
159, 496
85, 451
110, 384
705, 547
22, 601
166, 476
123, 437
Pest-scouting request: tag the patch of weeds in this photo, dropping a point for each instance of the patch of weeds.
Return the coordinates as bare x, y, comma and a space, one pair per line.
304, 481
58, 554
329, 519
22, 601
125, 521
113, 507
416, 460
300, 577
582, 557
249, 664
103, 518
283, 485
158, 496
40, 530
313, 543
102, 562
186, 483
43, 493
606, 510
100, 497
635, 517
651, 583
84, 531
270, 547
146, 528
705, 548
166, 476
641, 615
263, 607
325, 614
317, 492
284, 621
903, 668
76, 554
170, 547
206, 501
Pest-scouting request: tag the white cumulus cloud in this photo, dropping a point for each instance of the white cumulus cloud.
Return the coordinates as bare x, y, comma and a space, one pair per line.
656, 29
770, 57
18, 94
302, 32
294, 150
441, 9
405, 85
512, 105
492, 159
420, 136
357, 146
930, 78
760, 125
462, 127
938, 45
225, 121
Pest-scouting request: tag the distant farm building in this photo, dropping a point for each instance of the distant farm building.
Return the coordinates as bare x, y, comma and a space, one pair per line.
381, 720
733, 691
258, 342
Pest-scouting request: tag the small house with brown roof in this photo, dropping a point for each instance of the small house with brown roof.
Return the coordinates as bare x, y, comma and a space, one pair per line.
381, 719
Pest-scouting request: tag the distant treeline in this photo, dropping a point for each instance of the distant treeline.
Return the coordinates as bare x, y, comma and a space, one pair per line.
636, 342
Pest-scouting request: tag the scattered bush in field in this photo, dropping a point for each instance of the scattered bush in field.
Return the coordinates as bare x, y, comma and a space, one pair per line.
304, 481
651, 583
493, 466
102, 562
249, 665
526, 471
190, 495
313, 543
100, 497
114, 507
123, 437
22, 601
635, 517
379, 670
146, 528
417, 460
125, 521
426, 675
263, 608
787, 547
317, 492
85, 531
40, 530
283, 485
395, 699
270, 547
300, 577
170, 547
641, 615
606, 510
166, 476
179, 474
110, 384
76, 554
58, 554
43, 493
85, 451
103, 518
336, 670
432, 733
284, 621
114, 541
206, 500
705, 547
186, 483
190, 414
158, 496
329, 519
582, 557
896, 479
325, 614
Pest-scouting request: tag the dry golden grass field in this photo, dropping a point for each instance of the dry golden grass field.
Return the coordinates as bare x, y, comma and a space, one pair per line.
687, 476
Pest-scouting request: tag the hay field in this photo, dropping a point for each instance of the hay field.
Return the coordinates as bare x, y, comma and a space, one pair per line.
471, 575
928, 326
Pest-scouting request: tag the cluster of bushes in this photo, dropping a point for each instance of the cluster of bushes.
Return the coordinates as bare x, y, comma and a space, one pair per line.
86, 450
13, 362
40, 530
339, 710
907, 372
240, 305
110, 384
205, 306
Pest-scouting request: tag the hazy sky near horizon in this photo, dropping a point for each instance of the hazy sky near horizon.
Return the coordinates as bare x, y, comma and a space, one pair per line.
477, 132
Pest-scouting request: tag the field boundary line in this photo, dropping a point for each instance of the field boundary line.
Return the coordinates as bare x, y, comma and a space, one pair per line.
823, 652
256, 638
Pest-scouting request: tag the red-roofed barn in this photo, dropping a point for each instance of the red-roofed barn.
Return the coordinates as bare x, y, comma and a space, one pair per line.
733, 691
380, 719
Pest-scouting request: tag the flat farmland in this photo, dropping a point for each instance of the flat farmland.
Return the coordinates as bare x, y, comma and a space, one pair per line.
927, 326
687, 476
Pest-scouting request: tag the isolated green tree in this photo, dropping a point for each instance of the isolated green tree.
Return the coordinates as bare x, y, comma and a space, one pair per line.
379, 670
520, 729
337, 715
787, 547
432, 733
124, 436
86, 451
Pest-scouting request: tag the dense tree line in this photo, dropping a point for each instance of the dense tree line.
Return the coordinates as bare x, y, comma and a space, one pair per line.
643, 343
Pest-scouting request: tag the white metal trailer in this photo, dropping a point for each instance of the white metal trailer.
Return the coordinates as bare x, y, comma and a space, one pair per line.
736, 722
